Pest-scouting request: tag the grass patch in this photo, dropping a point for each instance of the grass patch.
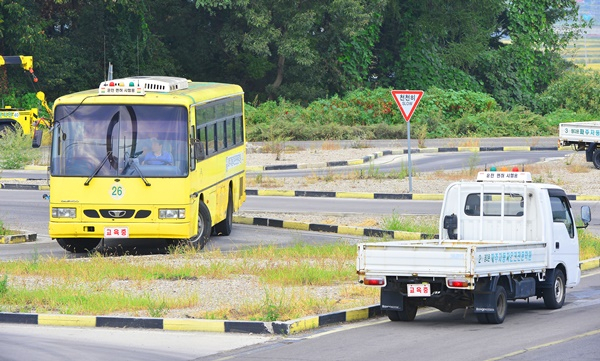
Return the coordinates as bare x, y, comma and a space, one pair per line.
131, 285
421, 224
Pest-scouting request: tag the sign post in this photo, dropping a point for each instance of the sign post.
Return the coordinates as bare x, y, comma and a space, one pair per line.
407, 101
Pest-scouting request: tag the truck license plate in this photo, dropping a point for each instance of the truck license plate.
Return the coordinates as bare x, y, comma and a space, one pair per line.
418, 290
116, 232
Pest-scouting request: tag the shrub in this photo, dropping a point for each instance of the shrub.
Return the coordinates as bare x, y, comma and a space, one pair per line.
577, 90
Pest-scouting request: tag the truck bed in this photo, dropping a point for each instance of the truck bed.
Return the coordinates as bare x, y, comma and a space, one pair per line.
579, 132
434, 259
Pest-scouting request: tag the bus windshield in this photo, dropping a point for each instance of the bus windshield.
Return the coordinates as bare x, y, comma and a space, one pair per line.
120, 140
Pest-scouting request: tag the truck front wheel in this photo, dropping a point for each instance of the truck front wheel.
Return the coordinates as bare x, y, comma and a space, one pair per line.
554, 297
407, 314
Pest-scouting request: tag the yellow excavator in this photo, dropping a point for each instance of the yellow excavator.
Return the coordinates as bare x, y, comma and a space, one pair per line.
28, 119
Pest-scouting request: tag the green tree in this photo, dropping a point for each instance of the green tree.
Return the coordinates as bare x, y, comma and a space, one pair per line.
435, 42
303, 42
539, 30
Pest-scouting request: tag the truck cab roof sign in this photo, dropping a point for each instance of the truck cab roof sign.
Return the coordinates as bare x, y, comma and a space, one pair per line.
504, 177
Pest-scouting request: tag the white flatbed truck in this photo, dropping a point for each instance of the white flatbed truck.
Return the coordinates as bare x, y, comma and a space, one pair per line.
582, 136
501, 238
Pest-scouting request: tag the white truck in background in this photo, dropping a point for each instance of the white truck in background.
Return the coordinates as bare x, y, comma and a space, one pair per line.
501, 238
582, 136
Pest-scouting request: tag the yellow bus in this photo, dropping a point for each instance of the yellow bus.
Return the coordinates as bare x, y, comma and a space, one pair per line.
147, 158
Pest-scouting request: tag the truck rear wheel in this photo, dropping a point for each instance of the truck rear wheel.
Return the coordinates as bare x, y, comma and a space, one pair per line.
554, 297
596, 158
78, 245
407, 314
496, 317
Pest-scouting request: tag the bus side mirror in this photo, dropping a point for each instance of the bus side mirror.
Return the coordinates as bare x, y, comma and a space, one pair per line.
36, 142
199, 150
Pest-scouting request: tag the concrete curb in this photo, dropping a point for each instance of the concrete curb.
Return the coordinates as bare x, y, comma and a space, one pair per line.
376, 155
197, 325
18, 238
330, 228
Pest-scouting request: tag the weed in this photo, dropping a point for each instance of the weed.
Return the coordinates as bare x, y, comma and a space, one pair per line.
330, 145
157, 309
421, 135
473, 163
271, 308
4, 286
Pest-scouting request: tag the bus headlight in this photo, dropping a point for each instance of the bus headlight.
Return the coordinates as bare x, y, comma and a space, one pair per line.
166, 213
63, 212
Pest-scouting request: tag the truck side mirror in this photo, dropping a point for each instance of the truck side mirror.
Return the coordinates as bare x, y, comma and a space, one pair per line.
36, 142
450, 225
586, 215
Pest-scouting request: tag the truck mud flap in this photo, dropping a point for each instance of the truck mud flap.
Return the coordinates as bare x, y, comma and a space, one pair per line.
484, 298
391, 300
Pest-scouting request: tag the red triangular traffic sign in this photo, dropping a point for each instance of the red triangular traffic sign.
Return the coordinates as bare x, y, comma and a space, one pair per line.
407, 101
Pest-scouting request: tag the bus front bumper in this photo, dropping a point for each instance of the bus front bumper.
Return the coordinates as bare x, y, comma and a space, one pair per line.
162, 230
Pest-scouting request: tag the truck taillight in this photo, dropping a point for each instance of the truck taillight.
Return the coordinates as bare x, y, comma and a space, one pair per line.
457, 283
374, 281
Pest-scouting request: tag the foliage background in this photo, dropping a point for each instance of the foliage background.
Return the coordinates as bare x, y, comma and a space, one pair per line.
320, 69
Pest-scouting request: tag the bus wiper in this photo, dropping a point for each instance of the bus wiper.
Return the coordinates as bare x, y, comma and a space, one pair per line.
137, 169
108, 154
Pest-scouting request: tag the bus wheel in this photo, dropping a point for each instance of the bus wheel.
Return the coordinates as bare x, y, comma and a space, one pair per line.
554, 297
223, 228
204, 228
78, 245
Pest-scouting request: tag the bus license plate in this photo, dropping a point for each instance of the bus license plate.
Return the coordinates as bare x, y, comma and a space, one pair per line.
418, 290
116, 232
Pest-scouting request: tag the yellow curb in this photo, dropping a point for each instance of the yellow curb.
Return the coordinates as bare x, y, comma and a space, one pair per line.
358, 314
429, 150
588, 198
517, 148
36, 167
255, 168
406, 235
312, 165
355, 195
304, 324
355, 231
243, 220
468, 149
67, 320
427, 197
299, 226
18, 238
174, 324
590, 264
357, 161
